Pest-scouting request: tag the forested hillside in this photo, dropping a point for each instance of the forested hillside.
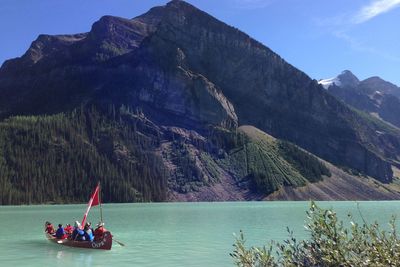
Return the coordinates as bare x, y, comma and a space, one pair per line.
60, 158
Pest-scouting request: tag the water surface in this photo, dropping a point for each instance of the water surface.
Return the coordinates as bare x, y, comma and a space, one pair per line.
165, 234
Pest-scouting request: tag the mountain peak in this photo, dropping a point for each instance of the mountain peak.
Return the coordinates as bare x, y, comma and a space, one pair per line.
376, 83
346, 72
180, 4
345, 79
348, 79
375, 79
179, 8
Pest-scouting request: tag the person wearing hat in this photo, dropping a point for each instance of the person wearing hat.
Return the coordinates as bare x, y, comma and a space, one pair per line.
99, 232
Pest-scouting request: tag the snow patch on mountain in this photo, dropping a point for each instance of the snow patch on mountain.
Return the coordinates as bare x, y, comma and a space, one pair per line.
326, 83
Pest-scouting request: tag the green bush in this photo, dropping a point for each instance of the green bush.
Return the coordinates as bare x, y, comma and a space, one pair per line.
331, 243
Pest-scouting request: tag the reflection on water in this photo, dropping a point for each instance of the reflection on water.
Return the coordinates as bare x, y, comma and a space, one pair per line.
43, 249
60, 254
175, 234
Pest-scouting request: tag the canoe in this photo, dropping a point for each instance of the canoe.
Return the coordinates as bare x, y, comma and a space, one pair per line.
104, 243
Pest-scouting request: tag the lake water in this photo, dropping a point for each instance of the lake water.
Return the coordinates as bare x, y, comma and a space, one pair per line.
165, 234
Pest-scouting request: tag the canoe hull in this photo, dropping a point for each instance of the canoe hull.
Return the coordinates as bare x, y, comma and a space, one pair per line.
104, 243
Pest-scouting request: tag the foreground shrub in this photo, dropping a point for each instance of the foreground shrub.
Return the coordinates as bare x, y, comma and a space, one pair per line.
331, 243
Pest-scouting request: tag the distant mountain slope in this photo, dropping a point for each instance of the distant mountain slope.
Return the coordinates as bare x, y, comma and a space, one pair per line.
372, 95
177, 83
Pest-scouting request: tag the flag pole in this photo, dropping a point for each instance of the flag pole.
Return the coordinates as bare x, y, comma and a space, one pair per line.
93, 201
101, 209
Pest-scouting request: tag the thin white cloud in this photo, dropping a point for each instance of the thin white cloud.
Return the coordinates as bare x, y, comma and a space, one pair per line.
362, 47
252, 4
374, 9
353, 42
344, 27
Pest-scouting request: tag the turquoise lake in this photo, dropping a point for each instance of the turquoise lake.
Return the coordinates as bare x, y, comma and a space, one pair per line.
163, 234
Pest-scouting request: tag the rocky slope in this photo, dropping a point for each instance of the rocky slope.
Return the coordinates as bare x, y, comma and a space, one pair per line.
177, 83
339, 185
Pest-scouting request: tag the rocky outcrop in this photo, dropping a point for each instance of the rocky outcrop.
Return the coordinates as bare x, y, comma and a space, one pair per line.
189, 96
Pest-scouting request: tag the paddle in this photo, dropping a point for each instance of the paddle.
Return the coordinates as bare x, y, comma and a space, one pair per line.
119, 243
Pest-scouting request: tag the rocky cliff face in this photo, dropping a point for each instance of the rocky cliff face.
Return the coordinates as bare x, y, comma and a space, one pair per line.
180, 68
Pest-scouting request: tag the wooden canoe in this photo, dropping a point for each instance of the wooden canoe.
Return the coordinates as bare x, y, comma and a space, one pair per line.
104, 243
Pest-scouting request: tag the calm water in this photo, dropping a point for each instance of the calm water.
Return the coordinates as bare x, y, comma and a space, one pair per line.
170, 234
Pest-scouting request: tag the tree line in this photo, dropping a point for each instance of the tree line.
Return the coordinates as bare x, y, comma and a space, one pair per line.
60, 158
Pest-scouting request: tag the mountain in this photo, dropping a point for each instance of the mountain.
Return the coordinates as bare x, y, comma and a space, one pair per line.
345, 79
373, 95
156, 107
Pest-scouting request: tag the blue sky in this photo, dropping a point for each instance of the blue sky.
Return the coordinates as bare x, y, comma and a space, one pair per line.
321, 38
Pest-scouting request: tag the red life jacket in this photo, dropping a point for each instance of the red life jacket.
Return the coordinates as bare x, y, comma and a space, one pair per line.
50, 229
98, 233
68, 230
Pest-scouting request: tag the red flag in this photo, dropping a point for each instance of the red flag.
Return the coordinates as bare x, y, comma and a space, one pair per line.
93, 201
95, 196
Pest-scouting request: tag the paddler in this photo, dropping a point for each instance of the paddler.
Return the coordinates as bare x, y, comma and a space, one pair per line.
60, 233
49, 228
88, 232
68, 229
99, 232
78, 234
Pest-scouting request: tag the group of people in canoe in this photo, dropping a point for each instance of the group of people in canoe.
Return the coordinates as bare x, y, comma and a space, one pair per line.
77, 233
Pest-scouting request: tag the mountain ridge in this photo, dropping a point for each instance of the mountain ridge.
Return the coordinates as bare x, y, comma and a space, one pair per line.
372, 95
175, 71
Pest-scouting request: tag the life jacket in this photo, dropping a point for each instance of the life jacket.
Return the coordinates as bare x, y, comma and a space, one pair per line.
99, 232
78, 235
68, 229
50, 229
81, 235
89, 235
